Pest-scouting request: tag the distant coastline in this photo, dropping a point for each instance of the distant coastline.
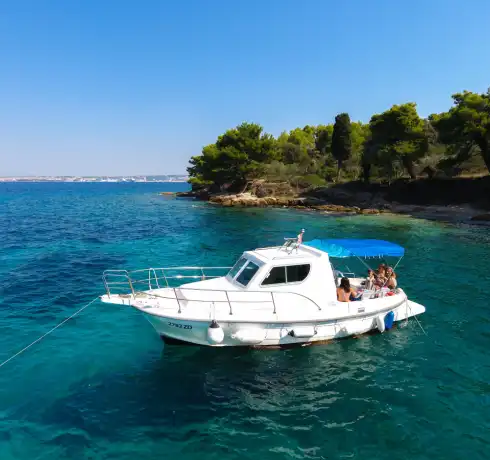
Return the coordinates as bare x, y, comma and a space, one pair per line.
110, 179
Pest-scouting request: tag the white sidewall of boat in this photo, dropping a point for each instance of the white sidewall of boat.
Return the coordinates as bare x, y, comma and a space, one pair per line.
274, 334
250, 335
303, 332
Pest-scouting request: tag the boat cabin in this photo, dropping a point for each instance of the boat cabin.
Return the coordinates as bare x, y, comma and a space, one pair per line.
304, 269
301, 269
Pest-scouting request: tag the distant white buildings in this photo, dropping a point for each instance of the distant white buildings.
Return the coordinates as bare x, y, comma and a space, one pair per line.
162, 178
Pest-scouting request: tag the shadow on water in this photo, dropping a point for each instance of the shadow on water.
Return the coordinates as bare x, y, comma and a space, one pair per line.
186, 385
189, 386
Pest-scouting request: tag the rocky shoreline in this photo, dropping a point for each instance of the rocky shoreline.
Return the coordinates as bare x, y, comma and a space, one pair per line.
347, 205
249, 200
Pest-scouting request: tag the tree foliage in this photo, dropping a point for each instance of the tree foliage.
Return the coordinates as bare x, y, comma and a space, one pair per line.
394, 143
466, 125
342, 140
236, 156
323, 139
398, 139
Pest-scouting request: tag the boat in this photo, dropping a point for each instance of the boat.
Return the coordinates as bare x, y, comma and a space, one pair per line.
273, 296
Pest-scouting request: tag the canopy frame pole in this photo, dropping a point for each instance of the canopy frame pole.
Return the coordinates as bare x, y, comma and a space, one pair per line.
369, 268
364, 263
396, 265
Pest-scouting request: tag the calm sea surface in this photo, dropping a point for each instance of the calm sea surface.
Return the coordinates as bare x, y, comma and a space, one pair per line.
104, 386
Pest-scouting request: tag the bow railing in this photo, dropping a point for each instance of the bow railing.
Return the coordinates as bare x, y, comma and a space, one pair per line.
152, 281
156, 278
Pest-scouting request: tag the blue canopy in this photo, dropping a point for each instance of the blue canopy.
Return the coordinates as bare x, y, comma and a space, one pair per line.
359, 248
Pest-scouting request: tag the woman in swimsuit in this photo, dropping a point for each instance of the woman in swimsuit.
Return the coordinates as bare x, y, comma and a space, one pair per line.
370, 280
391, 278
344, 292
380, 276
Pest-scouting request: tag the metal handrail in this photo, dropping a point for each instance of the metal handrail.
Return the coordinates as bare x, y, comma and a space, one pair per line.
128, 280
228, 301
246, 301
116, 278
126, 272
171, 268
177, 277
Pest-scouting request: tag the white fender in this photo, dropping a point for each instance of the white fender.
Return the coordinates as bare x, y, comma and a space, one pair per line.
215, 333
380, 323
303, 331
251, 336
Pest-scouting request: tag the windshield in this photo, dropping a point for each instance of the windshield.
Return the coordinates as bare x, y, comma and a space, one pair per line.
247, 274
237, 267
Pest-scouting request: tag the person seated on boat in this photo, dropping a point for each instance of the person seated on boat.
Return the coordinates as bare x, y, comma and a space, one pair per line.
391, 282
380, 276
370, 280
345, 293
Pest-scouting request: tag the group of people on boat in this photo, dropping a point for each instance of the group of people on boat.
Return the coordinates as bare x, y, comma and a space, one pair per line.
383, 277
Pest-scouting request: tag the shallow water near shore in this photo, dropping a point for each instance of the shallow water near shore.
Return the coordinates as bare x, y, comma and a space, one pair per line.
105, 387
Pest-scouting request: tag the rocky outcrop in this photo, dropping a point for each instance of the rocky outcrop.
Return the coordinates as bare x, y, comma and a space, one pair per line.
335, 208
262, 189
326, 199
481, 218
249, 200
197, 194
334, 199
352, 198
369, 211
356, 198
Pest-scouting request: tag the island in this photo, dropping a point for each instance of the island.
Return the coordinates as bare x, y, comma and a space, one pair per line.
398, 162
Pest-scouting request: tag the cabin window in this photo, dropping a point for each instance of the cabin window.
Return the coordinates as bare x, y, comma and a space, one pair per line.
237, 267
297, 273
247, 273
276, 276
289, 274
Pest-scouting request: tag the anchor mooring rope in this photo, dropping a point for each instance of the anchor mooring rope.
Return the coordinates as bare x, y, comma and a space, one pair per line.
47, 333
415, 316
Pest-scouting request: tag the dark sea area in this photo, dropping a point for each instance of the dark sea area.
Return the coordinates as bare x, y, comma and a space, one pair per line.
104, 386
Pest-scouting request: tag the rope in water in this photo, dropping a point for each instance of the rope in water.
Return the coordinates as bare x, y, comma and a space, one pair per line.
415, 316
47, 333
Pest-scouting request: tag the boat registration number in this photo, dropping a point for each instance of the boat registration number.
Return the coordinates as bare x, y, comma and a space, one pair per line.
180, 326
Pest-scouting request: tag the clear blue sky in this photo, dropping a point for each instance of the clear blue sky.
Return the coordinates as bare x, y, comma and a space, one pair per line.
137, 87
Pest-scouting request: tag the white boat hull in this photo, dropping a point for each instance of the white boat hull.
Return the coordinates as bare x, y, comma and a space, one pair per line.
276, 334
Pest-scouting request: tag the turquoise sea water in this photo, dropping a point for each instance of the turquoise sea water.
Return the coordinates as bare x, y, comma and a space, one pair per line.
104, 386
